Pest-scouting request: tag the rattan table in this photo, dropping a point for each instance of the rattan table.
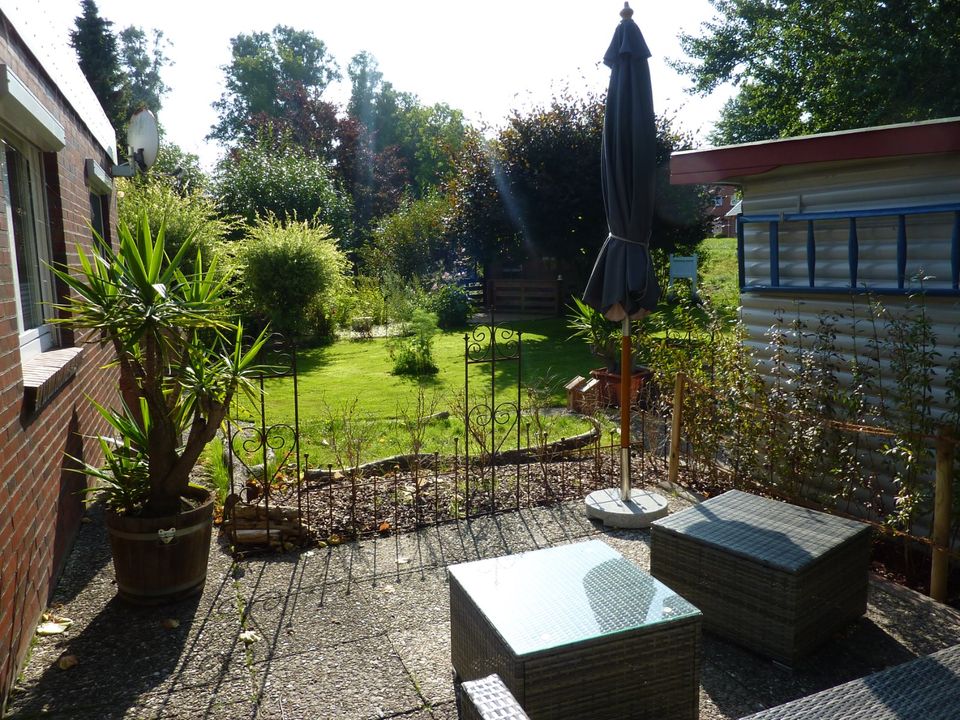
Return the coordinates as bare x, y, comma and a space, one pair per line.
927, 688
577, 631
773, 577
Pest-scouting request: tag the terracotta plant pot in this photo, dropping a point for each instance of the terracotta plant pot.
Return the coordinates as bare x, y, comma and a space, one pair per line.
154, 565
609, 388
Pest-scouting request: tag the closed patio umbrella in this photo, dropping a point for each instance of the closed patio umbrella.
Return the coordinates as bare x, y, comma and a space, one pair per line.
622, 284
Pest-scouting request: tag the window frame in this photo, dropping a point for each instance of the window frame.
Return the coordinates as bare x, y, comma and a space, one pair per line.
43, 336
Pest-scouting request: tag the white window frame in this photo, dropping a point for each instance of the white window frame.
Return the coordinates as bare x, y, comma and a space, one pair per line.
42, 337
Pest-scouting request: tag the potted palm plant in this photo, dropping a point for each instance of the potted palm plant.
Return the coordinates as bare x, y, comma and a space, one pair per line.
603, 338
181, 360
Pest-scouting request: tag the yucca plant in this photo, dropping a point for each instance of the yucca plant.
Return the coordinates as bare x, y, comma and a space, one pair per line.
180, 356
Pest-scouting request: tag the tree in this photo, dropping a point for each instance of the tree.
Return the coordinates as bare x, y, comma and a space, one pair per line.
365, 82
99, 59
536, 191
263, 66
260, 179
410, 241
143, 65
180, 363
808, 66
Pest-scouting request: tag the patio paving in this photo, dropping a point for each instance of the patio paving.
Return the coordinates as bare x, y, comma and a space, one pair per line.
361, 632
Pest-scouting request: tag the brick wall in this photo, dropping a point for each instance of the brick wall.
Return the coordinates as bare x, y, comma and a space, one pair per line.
40, 507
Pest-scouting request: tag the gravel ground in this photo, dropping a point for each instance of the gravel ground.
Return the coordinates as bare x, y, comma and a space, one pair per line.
361, 631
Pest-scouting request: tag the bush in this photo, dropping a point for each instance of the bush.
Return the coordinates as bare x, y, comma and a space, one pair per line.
413, 353
401, 297
451, 304
292, 275
258, 181
411, 241
181, 212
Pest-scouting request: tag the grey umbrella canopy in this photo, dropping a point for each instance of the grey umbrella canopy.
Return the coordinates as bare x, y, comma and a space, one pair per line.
622, 283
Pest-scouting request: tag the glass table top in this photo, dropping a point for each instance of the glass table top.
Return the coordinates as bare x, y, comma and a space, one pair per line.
549, 598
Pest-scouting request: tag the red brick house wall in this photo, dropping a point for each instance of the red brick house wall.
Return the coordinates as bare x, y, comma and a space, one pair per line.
43, 422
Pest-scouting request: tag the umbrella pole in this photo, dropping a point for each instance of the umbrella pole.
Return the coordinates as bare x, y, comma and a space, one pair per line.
625, 379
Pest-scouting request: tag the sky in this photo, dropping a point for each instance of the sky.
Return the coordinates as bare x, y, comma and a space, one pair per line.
485, 58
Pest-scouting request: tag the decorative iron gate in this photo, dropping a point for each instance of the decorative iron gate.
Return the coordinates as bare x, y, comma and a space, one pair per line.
489, 422
263, 459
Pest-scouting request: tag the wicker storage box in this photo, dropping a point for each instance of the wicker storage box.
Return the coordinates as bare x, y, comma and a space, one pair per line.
577, 631
773, 577
927, 688
488, 699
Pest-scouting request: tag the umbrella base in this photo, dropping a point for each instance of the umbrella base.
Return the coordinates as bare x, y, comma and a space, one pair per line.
641, 510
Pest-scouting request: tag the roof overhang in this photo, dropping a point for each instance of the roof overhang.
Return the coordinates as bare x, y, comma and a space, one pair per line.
731, 163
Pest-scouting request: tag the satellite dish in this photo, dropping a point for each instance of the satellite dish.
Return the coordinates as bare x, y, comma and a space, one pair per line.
143, 137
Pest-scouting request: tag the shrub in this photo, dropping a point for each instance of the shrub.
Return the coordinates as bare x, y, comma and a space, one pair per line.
451, 304
257, 181
410, 241
182, 212
413, 353
292, 274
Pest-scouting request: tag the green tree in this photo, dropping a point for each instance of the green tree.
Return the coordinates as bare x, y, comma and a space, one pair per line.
391, 146
808, 66
410, 241
259, 180
143, 60
182, 168
365, 83
536, 191
263, 66
99, 58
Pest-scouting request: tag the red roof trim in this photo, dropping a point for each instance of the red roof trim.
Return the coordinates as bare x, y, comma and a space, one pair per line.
731, 163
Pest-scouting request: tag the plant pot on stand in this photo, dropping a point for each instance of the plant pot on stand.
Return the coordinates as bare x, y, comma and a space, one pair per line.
609, 384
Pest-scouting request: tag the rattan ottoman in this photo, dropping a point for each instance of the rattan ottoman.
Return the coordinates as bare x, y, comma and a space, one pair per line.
488, 699
927, 688
577, 631
773, 577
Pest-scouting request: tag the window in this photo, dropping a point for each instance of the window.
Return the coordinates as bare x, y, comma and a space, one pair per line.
101, 188
718, 200
27, 230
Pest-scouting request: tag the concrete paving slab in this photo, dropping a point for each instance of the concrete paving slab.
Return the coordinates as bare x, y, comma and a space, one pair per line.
425, 653
308, 621
353, 681
412, 601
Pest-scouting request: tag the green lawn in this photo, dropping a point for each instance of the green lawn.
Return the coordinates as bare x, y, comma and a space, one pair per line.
718, 270
356, 374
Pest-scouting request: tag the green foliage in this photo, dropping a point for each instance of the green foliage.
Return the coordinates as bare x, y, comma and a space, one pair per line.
451, 304
99, 58
143, 63
257, 181
180, 356
182, 169
291, 276
186, 215
367, 299
410, 241
535, 192
602, 336
262, 66
413, 354
807, 66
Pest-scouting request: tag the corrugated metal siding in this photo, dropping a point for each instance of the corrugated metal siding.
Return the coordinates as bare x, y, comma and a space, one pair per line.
855, 329
854, 186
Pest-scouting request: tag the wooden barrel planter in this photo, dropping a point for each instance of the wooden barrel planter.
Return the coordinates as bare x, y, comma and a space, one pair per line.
162, 559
